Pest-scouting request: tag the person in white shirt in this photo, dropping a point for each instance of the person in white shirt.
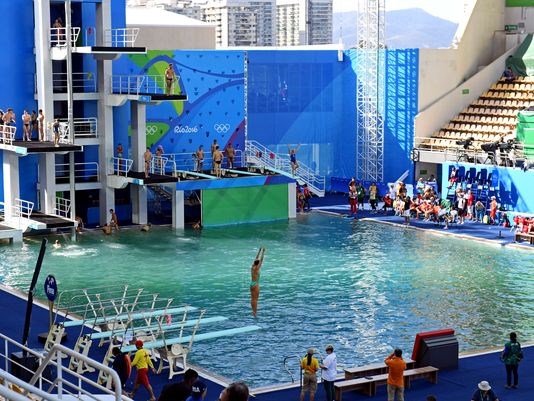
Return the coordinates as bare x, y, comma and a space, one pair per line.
329, 370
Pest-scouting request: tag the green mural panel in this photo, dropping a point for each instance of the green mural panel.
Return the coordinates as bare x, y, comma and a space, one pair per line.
244, 205
519, 3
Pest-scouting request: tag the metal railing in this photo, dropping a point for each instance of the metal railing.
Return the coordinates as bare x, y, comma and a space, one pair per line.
120, 37
62, 207
23, 208
59, 382
138, 84
257, 154
84, 127
88, 171
188, 161
162, 165
58, 36
120, 166
7, 134
81, 82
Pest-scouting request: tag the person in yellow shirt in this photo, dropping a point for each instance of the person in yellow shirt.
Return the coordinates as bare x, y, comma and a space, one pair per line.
142, 362
310, 365
395, 382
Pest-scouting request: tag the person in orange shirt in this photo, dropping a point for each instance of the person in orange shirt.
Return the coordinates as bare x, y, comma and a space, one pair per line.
395, 382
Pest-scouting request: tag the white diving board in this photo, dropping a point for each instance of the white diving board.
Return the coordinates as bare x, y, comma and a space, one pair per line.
129, 316
164, 327
197, 337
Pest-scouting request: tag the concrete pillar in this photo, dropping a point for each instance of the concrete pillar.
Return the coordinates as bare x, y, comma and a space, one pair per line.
43, 64
11, 181
105, 115
47, 181
178, 218
138, 193
292, 200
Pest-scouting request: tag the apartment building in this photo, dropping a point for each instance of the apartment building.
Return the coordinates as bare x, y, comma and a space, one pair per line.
303, 22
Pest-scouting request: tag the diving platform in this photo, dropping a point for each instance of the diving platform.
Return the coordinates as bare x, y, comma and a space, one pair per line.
11, 234
120, 181
108, 52
198, 337
24, 148
43, 221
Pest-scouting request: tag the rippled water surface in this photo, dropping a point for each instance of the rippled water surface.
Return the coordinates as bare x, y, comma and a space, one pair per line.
362, 286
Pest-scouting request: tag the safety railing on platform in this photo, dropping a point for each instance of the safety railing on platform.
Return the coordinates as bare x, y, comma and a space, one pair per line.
51, 380
58, 36
82, 82
120, 37
23, 208
162, 165
7, 134
259, 155
120, 166
83, 172
63, 131
138, 84
84, 127
62, 207
189, 162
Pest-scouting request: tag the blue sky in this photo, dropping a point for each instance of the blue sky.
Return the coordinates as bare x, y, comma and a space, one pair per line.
451, 10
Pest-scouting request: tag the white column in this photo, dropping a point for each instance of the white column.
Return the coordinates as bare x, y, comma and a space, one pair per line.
178, 219
47, 181
105, 115
45, 100
292, 200
11, 181
138, 193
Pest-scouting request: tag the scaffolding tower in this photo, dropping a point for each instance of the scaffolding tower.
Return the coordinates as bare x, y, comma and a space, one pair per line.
370, 91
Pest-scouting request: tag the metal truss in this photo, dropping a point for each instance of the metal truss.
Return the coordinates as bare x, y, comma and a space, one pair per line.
370, 92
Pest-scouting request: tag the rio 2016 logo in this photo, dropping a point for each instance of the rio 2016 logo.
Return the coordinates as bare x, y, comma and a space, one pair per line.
185, 129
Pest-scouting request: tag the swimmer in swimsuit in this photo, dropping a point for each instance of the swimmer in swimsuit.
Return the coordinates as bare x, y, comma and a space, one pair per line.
293, 159
255, 280
170, 77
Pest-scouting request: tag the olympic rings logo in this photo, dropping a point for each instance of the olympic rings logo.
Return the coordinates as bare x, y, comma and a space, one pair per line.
221, 128
151, 129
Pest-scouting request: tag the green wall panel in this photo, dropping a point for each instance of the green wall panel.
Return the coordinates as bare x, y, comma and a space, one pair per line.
520, 3
244, 205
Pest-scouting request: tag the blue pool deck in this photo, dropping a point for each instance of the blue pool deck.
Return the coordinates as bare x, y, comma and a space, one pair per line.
452, 385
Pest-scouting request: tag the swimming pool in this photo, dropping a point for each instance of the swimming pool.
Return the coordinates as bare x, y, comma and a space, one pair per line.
363, 286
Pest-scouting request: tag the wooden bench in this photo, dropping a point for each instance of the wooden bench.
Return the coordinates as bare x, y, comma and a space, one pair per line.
369, 384
524, 237
372, 369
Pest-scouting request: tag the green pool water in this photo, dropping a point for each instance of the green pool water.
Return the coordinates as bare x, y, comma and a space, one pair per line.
363, 286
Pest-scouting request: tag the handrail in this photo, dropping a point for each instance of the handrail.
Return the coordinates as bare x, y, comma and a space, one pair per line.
58, 36
187, 161
120, 37
66, 382
84, 127
88, 170
258, 154
62, 207
120, 166
7, 134
81, 81
290, 372
158, 165
24, 208
138, 84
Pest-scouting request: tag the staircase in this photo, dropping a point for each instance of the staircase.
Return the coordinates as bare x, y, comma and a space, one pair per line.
258, 155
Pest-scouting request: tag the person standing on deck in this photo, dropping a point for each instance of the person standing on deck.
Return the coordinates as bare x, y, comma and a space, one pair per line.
310, 365
329, 367
142, 362
395, 382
